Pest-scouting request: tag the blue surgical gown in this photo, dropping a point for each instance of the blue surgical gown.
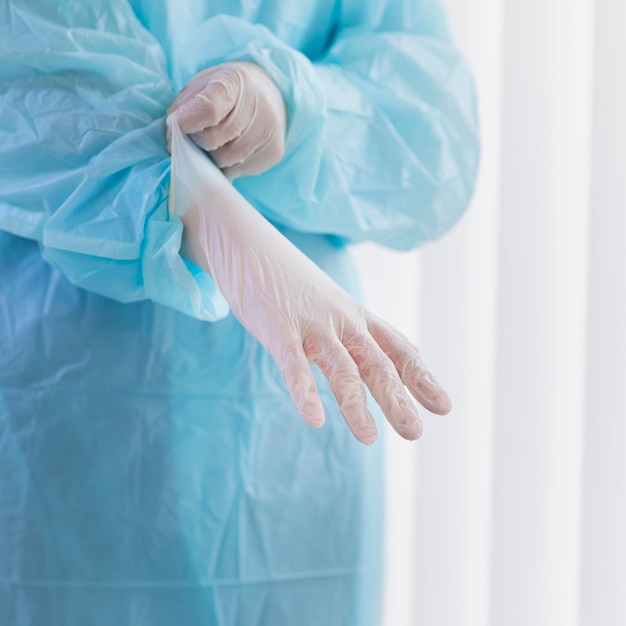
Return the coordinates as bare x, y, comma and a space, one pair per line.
153, 471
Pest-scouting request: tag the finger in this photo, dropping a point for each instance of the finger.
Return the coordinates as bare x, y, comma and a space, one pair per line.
296, 371
239, 149
410, 367
262, 159
246, 148
345, 383
189, 91
211, 105
383, 381
237, 124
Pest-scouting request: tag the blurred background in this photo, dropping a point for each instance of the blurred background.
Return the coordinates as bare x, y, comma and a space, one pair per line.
511, 511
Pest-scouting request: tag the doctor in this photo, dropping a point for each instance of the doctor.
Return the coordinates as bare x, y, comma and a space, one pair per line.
154, 468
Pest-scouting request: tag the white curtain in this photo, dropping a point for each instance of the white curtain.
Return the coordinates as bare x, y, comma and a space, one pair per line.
511, 511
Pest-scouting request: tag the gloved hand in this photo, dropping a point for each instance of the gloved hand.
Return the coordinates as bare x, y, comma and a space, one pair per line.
236, 113
294, 309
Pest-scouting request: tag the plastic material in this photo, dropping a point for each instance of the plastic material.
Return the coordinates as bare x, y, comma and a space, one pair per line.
153, 467
235, 112
295, 310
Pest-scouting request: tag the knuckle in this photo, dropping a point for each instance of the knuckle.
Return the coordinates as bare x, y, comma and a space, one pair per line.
292, 350
316, 339
412, 366
226, 82
346, 374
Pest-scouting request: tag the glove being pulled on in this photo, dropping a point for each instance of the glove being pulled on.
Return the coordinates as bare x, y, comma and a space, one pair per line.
297, 312
235, 112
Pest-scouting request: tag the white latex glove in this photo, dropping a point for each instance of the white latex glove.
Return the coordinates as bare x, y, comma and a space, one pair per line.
235, 112
294, 309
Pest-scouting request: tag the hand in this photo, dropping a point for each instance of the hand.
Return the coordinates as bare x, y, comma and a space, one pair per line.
236, 113
294, 309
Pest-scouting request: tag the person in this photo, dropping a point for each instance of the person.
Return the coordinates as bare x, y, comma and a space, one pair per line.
154, 466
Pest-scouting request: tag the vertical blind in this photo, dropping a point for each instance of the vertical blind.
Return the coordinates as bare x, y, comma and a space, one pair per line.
511, 511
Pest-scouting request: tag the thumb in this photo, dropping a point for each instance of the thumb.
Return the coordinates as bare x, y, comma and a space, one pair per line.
209, 106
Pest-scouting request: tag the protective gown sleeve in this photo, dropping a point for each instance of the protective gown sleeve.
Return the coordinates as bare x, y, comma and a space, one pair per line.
382, 139
84, 168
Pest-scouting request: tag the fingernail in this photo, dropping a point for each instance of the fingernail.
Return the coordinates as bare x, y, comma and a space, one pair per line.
368, 434
407, 409
431, 380
367, 430
313, 415
315, 421
444, 403
198, 100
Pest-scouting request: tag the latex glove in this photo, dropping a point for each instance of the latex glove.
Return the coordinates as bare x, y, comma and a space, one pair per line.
298, 313
236, 113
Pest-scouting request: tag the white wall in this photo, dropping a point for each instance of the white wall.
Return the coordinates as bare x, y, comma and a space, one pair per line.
519, 502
